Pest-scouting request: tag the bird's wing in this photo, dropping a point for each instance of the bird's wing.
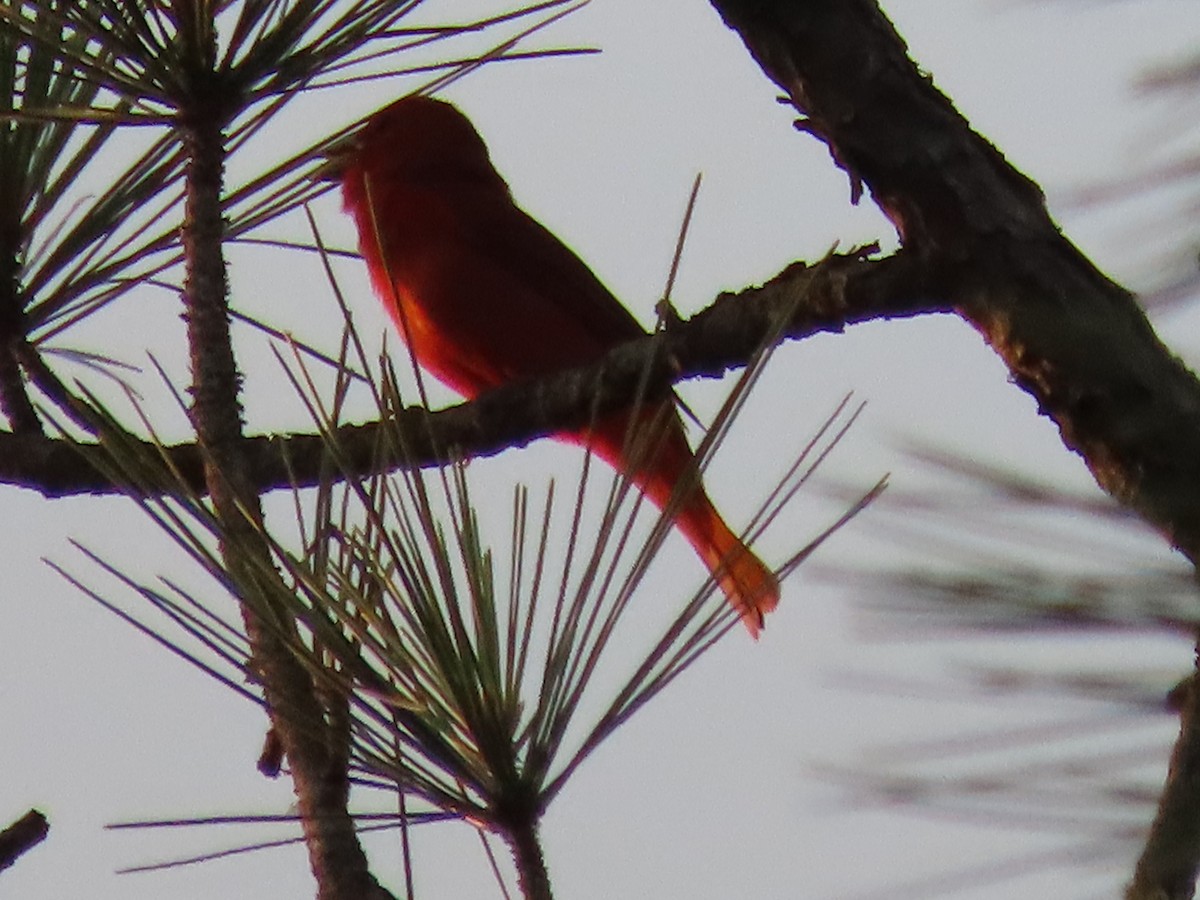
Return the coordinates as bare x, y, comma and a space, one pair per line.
517, 243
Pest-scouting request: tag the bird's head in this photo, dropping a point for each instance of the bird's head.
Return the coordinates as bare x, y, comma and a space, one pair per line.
415, 138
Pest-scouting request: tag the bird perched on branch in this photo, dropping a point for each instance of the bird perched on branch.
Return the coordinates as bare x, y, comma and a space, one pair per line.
484, 295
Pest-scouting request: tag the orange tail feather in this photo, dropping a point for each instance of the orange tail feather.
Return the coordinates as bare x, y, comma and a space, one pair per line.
751, 588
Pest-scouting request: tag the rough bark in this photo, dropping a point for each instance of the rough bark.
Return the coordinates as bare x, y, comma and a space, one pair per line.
1074, 340
1168, 866
318, 766
826, 296
22, 836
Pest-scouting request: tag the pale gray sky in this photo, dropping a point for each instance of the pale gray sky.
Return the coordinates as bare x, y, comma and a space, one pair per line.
715, 790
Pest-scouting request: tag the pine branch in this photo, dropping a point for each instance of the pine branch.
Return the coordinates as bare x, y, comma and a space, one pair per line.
826, 296
1074, 340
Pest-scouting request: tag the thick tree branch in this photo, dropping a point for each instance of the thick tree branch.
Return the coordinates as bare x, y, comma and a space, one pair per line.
1077, 342
827, 296
1072, 339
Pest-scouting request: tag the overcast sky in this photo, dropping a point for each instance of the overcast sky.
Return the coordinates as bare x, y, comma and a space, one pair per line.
724, 786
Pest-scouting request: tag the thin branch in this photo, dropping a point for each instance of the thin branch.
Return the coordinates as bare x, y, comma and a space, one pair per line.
826, 296
21, 836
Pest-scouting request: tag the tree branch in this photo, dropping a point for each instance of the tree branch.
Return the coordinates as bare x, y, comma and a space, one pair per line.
318, 770
21, 836
1168, 865
1075, 341
827, 296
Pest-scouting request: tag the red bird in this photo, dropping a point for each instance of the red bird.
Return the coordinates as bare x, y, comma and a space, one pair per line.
484, 295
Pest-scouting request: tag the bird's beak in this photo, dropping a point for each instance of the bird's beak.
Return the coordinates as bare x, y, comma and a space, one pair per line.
336, 158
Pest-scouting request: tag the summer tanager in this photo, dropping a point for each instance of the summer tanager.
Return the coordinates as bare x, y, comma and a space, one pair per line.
484, 295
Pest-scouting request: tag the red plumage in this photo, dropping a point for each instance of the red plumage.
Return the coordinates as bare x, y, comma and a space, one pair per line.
483, 295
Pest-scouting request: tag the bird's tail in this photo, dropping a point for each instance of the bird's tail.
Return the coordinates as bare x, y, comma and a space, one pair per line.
668, 467
751, 588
